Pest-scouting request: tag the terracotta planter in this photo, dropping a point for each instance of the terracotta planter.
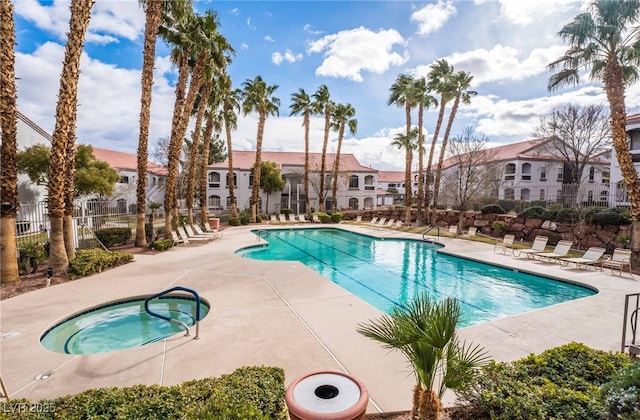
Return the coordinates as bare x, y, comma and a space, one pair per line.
214, 223
327, 395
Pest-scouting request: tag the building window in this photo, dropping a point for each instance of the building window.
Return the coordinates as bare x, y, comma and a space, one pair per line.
229, 202
542, 198
213, 201
354, 182
604, 195
558, 196
214, 180
560, 174
592, 174
543, 173
525, 194
250, 180
124, 179
590, 197
510, 172
353, 203
328, 204
509, 194
368, 183
368, 203
526, 172
605, 177
235, 180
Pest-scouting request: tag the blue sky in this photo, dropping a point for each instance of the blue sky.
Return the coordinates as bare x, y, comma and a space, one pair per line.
356, 48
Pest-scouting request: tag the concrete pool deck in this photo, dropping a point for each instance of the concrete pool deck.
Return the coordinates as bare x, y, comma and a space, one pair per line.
278, 314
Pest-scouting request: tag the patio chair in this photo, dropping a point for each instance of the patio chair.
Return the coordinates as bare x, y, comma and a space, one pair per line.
198, 231
359, 219
620, 261
561, 250
177, 239
273, 218
302, 218
539, 245
592, 257
504, 243
453, 230
292, 218
380, 223
282, 218
472, 231
315, 218
183, 233
373, 221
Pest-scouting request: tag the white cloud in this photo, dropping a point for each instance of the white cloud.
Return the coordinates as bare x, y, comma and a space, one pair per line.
524, 13
433, 16
244, 46
235, 11
268, 39
308, 29
348, 53
289, 56
500, 63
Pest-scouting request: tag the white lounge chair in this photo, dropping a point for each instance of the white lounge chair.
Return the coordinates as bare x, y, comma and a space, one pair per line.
302, 218
373, 221
504, 243
273, 218
282, 218
292, 218
315, 218
561, 250
592, 257
619, 261
359, 219
380, 223
539, 245
198, 231
453, 230
472, 231
183, 233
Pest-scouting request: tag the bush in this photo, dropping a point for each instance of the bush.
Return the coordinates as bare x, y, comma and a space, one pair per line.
550, 214
113, 236
286, 212
90, 261
32, 254
499, 227
559, 383
245, 218
568, 216
532, 213
605, 217
621, 396
234, 221
324, 217
512, 205
336, 217
492, 209
224, 218
162, 244
247, 393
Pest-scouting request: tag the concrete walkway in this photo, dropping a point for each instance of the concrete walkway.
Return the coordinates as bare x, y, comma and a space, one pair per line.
277, 314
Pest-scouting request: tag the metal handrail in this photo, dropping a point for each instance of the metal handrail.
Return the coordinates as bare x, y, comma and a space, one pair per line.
260, 232
633, 322
167, 318
429, 229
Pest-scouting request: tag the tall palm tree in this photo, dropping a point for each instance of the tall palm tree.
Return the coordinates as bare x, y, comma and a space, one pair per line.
438, 82
460, 83
424, 100
408, 143
231, 101
214, 122
258, 97
153, 19
301, 104
9, 168
403, 95
69, 188
341, 117
322, 105
67, 102
606, 40
424, 331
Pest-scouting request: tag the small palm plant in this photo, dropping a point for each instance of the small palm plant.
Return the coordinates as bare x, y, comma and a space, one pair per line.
425, 332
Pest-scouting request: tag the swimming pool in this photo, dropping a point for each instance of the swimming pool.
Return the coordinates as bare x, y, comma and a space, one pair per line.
389, 272
121, 325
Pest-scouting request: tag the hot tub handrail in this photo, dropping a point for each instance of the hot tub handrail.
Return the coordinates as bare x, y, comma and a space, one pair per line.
168, 318
259, 233
429, 229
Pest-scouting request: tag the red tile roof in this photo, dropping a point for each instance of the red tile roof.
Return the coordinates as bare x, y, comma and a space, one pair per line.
125, 161
390, 176
244, 159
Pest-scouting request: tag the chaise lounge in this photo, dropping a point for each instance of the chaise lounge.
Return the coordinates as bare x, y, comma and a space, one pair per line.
619, 261
560, 251
539, 245
592, 257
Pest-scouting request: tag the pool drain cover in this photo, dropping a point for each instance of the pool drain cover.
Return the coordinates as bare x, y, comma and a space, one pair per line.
43, 375
11, 334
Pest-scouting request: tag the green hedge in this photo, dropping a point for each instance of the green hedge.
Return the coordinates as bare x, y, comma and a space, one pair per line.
621, 396
336, 217
113, 236
492, 209
162, 244
324, 217
560, 383
247, 393
90, 261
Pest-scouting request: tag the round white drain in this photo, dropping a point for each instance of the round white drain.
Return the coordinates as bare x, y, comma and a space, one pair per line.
43, 375
11, 334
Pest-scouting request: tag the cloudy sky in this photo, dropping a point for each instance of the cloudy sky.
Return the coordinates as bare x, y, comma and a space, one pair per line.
356, 48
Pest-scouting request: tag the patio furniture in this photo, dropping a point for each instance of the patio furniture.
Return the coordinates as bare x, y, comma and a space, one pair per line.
619, 261
539, 245
504, 243
561, 250
592, 257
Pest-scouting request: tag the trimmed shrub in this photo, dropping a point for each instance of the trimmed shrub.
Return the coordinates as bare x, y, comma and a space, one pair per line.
224, 218
32, 254
113, 236
605, 217
324, 217
234, 221
90, 261
550, 214
492, 209
621, 396
247, 393
245, 218
286, 212
512, 205
162, 244
499, 227
336, 217
532, 213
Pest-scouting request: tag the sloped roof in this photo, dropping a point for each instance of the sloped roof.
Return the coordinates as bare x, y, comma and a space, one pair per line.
390, 176
633, 118
34, 126
244, 159
125, 161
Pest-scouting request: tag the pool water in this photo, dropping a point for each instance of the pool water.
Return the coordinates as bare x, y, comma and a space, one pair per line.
121, 325
390, 272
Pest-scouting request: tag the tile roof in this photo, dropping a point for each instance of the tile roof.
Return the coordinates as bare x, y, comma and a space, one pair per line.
125, 161
244, 159
390, 176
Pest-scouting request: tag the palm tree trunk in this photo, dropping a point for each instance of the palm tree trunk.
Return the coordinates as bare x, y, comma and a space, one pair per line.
306, 162
9, 169
415, 411
445, 139
153, 17
255, 199
323, 159
427, 201
407, 175
206, 142
193, 160
232, 196
430, 406
70, 170
336, 169
67, 101
420, 198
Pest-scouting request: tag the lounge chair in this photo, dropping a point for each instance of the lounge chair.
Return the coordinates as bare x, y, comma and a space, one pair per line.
282, 218
561, 250
472, 231
273, 218
302, 218
183, 233
592, 257
504, 243
359, 219
198, 231
620, 261
373, 221
315, 218
453, 230
380, 223
292, 218
177, 239
539, 245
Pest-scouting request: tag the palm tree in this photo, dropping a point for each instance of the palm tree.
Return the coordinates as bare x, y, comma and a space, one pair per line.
214, 121
408, 143
67, 102
438, 82
301, 104
258, 97
69, 188
460, 83
341, 117
9, 168
424, 100
606, 40
231, 99
425, 332
153, 18
403, 95
322, 105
